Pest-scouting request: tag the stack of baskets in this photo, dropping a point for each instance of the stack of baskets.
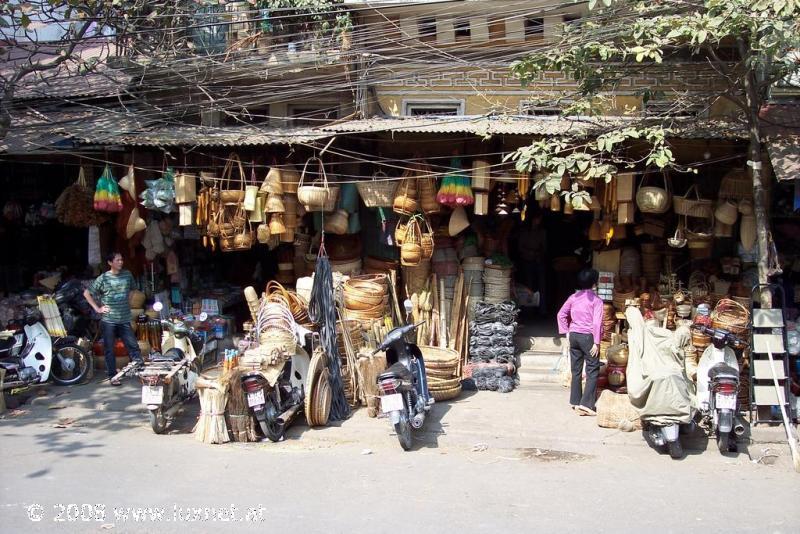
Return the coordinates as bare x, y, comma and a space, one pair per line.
497, 283
415, 278
609, 320
473, 276
652, 262
441, 369
445, 258
366, 298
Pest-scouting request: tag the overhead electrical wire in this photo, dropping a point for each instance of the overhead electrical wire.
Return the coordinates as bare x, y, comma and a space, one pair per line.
413, 72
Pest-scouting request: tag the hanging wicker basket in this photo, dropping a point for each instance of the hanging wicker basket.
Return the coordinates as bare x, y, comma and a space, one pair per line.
378, 192
653, 199
319, 195
691, 205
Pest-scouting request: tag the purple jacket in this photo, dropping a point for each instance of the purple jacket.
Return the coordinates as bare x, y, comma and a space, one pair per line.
582, 313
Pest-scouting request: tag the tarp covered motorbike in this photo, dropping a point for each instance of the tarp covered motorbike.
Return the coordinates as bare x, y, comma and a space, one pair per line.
656, 377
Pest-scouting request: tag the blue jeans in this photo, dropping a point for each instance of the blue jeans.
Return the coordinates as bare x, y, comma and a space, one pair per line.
110, 333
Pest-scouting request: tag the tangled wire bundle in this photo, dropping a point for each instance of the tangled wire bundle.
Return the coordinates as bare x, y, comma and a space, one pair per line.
322, 311
492, 341
493, 378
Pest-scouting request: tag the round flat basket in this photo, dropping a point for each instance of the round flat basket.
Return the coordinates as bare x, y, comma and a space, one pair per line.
444, 374
436, 355
319, 361
447, 394
443, 384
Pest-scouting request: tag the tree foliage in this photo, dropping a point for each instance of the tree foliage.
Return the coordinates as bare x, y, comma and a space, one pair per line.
622, 37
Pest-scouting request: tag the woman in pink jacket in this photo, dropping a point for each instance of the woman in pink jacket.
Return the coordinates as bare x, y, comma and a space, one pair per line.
581, 318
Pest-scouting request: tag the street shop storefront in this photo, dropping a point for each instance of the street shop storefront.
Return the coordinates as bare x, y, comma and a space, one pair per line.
410, 223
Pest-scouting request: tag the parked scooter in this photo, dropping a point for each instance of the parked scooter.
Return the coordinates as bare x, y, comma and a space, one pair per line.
718, 387
77, 315
31, 356
169, 378
276, 395
657, 383
403, 386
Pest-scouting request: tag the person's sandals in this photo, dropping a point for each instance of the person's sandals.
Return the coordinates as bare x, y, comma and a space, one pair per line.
115, 381
583, 410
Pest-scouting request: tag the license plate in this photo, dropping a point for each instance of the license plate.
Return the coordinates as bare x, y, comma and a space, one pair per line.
255, 398
152, 394
392, 403
725, 401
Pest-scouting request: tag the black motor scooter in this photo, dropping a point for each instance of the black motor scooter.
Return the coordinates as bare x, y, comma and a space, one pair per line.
403, 386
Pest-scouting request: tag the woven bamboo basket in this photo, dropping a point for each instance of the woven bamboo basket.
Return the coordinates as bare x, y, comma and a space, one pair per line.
272, 338
732, 316
376, 278
447, 394
620, 297
365, 287
378, 192
319, 195
691, 205
359, 302
736, 185
441, 384
437, 355
405, 200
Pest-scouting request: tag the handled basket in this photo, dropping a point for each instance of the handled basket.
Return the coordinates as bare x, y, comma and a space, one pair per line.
652, 199
691, 205
319, 195
227, 194
378, 192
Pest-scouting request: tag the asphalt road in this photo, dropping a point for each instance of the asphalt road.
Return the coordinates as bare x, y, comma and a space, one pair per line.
84, 460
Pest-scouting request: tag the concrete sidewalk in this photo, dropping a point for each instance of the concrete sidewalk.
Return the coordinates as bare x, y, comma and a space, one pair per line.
531, 416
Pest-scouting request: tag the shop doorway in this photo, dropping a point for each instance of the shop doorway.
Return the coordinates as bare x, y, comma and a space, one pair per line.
548, 249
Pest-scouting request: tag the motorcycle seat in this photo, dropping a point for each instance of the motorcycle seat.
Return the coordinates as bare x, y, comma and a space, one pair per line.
722, 370
397, 370
172, 355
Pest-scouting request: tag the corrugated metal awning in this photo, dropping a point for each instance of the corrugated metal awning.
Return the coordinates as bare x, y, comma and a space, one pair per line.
534, 125
189, 135
784, 153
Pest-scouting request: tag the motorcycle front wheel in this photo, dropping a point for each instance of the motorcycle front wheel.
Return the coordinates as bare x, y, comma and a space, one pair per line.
403, 430
71, 365
158, 421
675, 449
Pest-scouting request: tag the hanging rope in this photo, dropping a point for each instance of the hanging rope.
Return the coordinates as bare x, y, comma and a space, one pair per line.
322, 311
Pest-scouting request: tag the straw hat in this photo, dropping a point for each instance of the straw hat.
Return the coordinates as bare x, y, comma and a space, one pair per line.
458, 221
275, 204
135, 224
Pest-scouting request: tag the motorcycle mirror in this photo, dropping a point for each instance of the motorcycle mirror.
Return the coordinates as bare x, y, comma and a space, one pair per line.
408, 305
157, 306
203, 316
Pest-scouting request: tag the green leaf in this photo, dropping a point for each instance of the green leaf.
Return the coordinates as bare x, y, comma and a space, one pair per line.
701, 36
25, 21
592, 3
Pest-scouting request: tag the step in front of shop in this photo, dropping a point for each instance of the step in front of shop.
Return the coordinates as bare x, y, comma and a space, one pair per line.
538, 367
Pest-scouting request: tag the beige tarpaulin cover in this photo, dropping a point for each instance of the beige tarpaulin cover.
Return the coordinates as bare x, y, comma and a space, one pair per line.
657, 384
